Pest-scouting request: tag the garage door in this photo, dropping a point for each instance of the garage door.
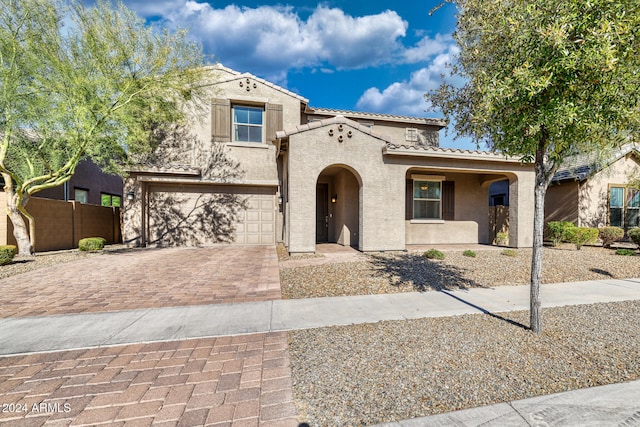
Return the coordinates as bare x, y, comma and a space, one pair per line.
201, 215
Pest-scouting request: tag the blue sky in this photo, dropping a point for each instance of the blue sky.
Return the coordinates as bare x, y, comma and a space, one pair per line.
347, 54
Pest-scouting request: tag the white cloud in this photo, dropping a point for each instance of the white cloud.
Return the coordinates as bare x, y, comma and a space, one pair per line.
407, 97
427, 47
271, 40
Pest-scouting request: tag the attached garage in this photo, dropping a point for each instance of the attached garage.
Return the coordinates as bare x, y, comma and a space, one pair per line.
206, 214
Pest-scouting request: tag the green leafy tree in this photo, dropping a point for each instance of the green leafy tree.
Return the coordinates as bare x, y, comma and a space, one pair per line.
83, 82
545, 80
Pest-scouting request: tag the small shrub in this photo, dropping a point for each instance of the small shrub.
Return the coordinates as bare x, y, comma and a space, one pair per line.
625, 252
608, 235
510, 252
559, 231
634, 234
469, 253
502, 238
7, 253
91, 244
434, 254
581, 236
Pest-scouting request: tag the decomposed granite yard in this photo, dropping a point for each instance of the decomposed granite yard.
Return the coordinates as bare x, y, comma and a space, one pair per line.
366, 374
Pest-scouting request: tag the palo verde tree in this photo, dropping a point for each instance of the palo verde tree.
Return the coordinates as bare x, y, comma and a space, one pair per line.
82, 82
545, 80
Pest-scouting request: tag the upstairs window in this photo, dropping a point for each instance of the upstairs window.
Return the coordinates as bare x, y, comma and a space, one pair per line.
411, 135
247, 124
81, 195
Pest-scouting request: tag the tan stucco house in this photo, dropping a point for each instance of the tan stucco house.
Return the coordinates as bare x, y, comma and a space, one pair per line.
302, 175
592, 191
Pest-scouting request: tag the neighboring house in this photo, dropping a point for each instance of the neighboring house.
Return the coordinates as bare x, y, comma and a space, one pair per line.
264, 167
594, 192
88, 185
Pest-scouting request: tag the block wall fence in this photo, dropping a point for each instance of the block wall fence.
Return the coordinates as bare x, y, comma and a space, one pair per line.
60, 224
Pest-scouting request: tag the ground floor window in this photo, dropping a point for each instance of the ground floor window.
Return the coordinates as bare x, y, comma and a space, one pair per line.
110, 200
427, 199
624, 207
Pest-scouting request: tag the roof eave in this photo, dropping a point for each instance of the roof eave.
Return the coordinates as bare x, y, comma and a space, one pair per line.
418, 152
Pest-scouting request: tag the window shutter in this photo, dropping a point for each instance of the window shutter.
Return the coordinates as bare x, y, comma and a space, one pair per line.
408, 208
221, 120
448, 200
274, 120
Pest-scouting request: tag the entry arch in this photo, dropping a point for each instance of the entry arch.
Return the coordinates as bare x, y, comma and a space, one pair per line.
339, 206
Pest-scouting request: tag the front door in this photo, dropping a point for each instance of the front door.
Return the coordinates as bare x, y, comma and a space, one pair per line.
322, 213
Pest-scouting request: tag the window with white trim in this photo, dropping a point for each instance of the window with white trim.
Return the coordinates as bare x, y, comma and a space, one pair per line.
427, 199
247, 123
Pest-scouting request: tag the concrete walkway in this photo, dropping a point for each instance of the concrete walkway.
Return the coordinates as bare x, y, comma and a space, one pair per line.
73, 331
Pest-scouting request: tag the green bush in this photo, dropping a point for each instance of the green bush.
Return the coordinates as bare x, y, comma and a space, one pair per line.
626, 252
608, 235
434, 254
7, 253
581, 236
559, 230
469, 253
510, 252
91, 244
634, 234
502, 238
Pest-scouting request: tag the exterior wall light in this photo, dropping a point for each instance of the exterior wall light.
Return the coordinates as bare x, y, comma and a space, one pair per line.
130, 196
334, 198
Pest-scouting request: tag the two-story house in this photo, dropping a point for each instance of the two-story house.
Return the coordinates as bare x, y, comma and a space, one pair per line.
264, 167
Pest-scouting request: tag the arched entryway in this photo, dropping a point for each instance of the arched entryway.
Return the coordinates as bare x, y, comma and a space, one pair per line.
338, 206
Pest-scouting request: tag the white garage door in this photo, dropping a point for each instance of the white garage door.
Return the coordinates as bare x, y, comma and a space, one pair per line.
202, 215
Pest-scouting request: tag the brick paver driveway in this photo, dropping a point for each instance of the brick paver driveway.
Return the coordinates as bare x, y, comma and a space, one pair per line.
226, 381
146, 278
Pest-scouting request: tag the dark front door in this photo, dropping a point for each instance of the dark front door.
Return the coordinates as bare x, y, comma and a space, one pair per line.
322, 213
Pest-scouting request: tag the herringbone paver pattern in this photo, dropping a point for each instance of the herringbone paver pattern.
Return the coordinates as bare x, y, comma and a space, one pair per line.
145, 279
228, 381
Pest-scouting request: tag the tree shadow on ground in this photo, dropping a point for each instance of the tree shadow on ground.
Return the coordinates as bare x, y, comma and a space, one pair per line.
425, 275
421, 273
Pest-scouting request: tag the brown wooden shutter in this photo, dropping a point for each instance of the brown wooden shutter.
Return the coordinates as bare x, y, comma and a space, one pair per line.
408, 209
221, 120
274, 120
448, 200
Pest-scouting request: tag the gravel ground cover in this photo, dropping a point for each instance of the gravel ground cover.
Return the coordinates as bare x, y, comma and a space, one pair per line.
409, 272
366, 374
47, 259
19, 266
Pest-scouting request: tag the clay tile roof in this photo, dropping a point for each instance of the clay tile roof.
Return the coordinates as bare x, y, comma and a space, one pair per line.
447, 152
377, 116
236, 75
169, 169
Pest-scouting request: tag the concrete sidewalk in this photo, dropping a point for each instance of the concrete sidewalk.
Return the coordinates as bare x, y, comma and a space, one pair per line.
73, 331
609, 405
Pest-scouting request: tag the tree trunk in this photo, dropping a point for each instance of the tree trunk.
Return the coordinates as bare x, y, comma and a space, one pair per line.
538, 229
25, 245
